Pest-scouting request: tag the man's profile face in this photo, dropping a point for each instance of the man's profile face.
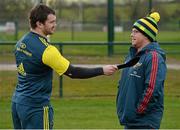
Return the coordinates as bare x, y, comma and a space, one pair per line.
50, 25
137, 38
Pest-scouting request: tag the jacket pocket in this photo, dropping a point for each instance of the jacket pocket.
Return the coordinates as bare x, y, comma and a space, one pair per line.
129, 116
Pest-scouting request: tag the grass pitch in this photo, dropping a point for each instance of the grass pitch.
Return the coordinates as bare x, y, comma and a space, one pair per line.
90, 104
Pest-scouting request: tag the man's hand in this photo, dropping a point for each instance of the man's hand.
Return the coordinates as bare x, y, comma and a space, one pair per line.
109, 69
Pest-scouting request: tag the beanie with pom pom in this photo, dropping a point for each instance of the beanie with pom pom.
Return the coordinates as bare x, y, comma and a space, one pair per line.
148, 26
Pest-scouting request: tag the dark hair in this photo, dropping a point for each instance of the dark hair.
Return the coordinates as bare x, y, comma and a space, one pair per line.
39, 13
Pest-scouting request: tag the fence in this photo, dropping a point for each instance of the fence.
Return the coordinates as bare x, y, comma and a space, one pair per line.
172, 48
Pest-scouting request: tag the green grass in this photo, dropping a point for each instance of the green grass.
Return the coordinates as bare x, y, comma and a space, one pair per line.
171, 113
99, 50
102, 36
86, 113
59, 36
74, 113
92, 113
90, 103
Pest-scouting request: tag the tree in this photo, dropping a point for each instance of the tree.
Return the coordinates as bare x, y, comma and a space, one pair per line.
14, 9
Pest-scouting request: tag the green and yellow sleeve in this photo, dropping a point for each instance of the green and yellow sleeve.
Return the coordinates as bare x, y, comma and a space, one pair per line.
53, 58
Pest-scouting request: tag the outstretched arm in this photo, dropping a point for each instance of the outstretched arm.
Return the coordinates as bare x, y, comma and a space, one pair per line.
61, 65
84, 72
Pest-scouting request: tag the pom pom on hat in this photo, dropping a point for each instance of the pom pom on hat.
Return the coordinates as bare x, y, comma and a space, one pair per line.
148, 25
155, 16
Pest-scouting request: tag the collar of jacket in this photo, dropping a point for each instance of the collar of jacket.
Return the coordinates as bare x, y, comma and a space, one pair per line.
39, 35
149, 47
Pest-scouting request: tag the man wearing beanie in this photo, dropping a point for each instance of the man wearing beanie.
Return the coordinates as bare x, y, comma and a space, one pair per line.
140, 90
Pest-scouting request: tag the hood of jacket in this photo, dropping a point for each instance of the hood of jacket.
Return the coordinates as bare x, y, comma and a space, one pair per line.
154, 46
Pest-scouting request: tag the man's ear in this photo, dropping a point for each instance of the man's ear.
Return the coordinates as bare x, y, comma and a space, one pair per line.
147, 39
39, 24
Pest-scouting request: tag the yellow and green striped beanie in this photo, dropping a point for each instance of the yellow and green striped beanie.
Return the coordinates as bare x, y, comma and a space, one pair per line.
148, 26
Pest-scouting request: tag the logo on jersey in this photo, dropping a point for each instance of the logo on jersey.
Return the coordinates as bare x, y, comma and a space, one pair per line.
23, 45
44, 41
21, 69
137, 65
22, 48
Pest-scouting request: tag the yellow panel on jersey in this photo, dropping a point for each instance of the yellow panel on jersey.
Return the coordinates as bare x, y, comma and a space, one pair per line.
55, 60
